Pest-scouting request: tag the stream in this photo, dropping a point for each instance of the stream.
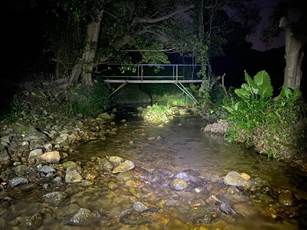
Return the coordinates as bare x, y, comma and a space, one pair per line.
175, 180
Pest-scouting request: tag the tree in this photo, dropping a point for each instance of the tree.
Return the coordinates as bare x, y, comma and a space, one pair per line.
109, 27
291, 17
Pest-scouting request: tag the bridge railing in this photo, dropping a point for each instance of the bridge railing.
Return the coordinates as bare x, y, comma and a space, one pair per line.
174, 72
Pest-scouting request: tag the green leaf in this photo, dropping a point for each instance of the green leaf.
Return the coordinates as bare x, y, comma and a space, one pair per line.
263, 84
243, 93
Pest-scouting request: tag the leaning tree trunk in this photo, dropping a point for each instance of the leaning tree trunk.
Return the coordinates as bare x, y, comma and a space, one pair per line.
294, 57
84, 67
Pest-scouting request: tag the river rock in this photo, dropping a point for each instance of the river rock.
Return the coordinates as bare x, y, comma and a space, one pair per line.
36, 153
34, 221
5, 140
4, 157
124, 167
17, 181
179, 184
46, 169
51, 157
20, 170
245, 209
70, 164
286, 198
235, 179
220, 127
55, 198
139, 207
83, 217
115, 159
105, 164
72, 176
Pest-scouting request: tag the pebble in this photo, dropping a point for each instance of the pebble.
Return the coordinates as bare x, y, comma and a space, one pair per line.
179, 184
124, 167
72, 176
139, 207
286, 198
55, 198
18, 181
51, 157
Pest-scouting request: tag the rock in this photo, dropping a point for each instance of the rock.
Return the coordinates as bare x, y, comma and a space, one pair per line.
48, 147
115, 160
179, 184
55, 198
83, 217
245, 209
72, 176
105, 116
70, 164
34, 221
139, 207
286, 198
235, 179
46, 169
36, 153
245, 176
4, 157
124, 167
220, 127
5, 140
62, 138
17, 181
51, 157
105, 164
20, 170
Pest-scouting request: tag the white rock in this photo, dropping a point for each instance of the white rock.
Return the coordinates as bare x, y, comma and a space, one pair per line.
51, 157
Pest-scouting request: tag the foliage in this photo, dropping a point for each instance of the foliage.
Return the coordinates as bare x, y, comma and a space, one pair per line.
273, 126
260, 87
157, 114
88, 101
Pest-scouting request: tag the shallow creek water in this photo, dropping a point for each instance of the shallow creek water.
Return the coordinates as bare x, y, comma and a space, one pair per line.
145, 197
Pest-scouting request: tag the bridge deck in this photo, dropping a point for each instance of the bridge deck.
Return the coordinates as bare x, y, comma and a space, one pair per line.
146, 81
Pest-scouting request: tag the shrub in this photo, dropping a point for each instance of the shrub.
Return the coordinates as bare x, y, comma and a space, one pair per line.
157, 114
88, 101
274, 127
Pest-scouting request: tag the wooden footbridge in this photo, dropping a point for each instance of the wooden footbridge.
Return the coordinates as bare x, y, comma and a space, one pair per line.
177, 74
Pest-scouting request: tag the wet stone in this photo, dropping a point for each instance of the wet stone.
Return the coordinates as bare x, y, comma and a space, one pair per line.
83, 217
51, 157
139, 207
179, 184
235, 179
17, 181
123, 167
34, 221
55, 198
46, 169
72, 176
21, 170
286, 198
115, 159
35, 153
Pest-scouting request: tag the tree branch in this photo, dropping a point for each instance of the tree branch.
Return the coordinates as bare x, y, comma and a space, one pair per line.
162, 18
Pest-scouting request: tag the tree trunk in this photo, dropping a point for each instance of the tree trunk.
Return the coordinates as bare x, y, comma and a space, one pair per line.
84, 67
294, 57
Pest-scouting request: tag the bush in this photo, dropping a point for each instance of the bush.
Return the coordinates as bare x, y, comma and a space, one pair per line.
274, 126
157, 114
88, 101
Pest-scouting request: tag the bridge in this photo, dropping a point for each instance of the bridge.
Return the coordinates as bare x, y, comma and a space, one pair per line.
177, 74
